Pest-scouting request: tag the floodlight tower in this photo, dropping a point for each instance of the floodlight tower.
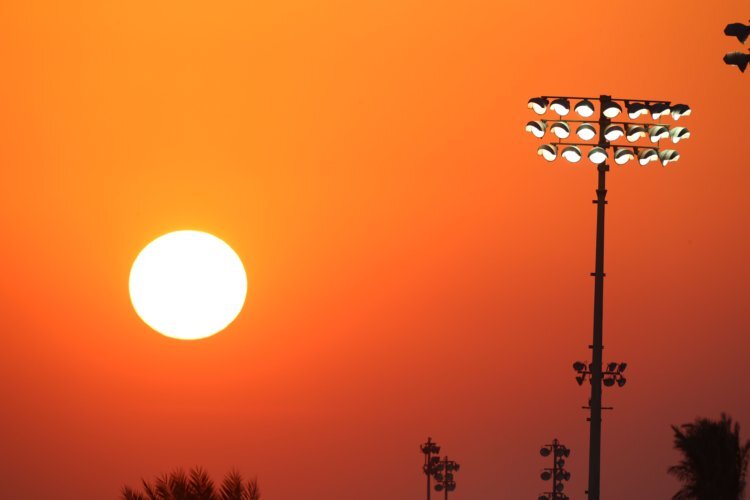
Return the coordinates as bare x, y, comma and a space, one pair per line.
557, 472
431, 461
445, 476
606, 133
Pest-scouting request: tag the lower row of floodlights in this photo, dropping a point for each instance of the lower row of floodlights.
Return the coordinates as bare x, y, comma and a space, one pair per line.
631, 131
598, 155
610, 108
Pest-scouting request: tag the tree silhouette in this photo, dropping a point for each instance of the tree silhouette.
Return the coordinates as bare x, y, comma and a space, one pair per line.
195, 485
714, 461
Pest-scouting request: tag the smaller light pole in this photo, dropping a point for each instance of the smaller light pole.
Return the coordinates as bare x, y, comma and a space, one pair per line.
431, 461
557, 472
444, 476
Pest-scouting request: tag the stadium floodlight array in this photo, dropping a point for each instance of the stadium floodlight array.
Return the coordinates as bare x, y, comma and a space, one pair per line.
557, 473
643, 133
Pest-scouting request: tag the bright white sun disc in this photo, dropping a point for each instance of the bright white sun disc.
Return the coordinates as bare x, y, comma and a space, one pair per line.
188, 285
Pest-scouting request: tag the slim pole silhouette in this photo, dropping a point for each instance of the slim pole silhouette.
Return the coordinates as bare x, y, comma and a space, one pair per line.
595, 404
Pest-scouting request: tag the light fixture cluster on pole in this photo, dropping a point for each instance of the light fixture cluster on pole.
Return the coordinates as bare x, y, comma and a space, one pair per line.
445, 476
739, 59
602, 139
610, 376
557, 472
442, 470
598, 137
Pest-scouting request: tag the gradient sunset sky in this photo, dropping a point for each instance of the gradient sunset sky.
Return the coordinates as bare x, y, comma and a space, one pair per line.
414, 267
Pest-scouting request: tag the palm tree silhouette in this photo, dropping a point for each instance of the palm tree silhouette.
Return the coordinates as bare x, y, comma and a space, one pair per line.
714, 461
194, 485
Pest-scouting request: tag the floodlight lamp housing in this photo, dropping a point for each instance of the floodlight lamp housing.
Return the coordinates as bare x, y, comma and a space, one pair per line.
585, 108
586, 131
623, 155
598, 155
538, 104
572, 154
636, 109
611, 109
536, 128
561, 106
560, 129
680, 110
547, 151
659, 109
579, 366
544, 452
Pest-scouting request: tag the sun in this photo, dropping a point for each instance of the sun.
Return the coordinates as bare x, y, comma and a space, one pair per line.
188, 285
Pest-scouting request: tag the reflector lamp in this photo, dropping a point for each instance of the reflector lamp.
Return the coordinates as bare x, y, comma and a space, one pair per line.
585, 108
561, 130
538, 104
623, 155
560, 106
636, 109
611, 109
635, 132
657, 132
680, 110
679, 133
647, 155
597, 155
572, 154
659, 109
548, 151
613, 132
668, 156
537, 128
586, 131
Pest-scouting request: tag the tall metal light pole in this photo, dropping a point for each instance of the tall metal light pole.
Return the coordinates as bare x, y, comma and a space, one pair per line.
431, 461
607, 132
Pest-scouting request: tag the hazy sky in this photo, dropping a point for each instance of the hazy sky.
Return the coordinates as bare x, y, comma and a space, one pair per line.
414, 267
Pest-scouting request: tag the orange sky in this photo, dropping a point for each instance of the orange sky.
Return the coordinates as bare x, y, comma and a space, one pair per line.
414, 268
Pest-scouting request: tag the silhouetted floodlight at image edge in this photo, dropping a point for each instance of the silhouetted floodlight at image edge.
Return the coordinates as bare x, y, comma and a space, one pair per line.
739, 59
